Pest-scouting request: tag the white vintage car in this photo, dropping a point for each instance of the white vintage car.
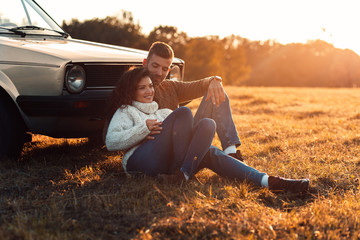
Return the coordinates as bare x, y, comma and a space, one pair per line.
52, 84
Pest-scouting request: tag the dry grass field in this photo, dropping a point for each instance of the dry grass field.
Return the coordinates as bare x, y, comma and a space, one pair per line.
66, 189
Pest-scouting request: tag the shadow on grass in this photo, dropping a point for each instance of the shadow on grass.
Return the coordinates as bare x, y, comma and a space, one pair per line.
285, 201
71, 190
325, 187
83, 191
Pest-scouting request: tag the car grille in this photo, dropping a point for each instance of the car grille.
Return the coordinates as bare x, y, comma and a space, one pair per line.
100, 76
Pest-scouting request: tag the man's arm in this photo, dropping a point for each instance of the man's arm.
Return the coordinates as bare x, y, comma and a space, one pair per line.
190, 90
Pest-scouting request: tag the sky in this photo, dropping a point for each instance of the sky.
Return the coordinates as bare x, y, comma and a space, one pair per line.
286, 21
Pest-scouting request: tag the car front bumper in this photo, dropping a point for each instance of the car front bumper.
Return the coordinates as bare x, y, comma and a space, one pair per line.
75, 115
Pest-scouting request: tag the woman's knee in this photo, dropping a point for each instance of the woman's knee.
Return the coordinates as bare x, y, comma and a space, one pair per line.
184, 113
184, 110
207, 125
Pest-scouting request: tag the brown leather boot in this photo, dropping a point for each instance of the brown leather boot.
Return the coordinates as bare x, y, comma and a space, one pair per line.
237, 155
290, 185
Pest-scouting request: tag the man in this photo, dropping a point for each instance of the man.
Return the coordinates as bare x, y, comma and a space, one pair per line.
215, 105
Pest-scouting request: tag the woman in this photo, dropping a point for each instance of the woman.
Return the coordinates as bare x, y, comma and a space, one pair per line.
158, 141
137, 119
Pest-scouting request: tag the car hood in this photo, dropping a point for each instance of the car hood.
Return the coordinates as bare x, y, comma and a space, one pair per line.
73, 50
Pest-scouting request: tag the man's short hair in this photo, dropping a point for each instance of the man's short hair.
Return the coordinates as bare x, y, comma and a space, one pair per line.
161, 49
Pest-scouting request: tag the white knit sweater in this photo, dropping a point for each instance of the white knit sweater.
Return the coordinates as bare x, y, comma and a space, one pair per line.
128, 128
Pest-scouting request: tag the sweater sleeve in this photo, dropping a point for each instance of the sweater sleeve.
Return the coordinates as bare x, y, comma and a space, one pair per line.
190, 90
164, 113
124, 132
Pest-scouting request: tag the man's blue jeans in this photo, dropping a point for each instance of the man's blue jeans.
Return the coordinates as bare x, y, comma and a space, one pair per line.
217, 160
180, 145
222, 116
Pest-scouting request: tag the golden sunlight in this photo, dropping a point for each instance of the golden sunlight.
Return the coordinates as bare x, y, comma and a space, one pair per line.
284, 21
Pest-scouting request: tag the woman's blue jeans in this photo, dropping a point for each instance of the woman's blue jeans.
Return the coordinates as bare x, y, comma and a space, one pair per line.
179, 145
226, 166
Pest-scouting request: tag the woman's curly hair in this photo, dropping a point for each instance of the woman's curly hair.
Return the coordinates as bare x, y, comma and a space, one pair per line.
124, 92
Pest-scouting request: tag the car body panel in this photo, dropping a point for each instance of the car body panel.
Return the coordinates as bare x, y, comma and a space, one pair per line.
68, 49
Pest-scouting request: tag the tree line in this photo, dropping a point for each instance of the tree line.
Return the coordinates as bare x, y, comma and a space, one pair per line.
238, 60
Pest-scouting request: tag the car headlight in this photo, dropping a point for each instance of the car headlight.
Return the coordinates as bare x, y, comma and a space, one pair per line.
75, 79
175, 73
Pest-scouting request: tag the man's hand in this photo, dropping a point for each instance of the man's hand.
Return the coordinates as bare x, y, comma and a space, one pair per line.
154, 126
216, 91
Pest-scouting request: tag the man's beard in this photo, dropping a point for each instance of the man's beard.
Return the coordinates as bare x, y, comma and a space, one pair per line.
156, 80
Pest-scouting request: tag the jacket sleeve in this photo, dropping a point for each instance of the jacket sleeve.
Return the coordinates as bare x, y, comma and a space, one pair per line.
124, 132
187, 91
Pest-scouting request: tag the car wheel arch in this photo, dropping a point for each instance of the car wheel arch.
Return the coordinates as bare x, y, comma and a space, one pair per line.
13, 132
5, 97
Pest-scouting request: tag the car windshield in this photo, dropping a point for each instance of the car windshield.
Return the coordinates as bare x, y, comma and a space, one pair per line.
25, 17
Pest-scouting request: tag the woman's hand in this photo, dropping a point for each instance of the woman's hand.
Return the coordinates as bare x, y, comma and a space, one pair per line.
154, 126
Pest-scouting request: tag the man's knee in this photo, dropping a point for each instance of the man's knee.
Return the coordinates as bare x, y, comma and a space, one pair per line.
226, 101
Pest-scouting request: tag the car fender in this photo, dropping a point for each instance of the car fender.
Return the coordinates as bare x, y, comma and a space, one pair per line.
8, 86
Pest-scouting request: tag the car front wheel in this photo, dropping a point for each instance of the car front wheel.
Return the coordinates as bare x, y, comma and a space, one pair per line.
12, 131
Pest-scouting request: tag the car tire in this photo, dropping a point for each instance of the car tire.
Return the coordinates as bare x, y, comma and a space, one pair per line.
12, 131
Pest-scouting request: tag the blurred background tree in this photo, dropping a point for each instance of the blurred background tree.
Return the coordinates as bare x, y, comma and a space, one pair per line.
176, 39
237, 60
235, 68
117, 30
203, 57
314, 64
